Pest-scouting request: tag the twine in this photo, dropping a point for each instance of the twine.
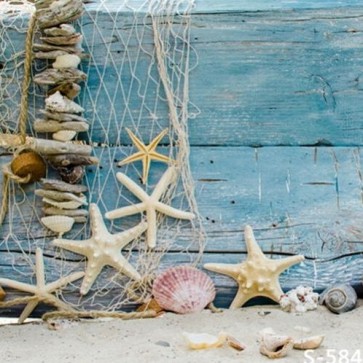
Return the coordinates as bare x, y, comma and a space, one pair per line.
23, 116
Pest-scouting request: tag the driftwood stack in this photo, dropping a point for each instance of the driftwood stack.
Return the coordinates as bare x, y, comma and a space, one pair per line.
60, 44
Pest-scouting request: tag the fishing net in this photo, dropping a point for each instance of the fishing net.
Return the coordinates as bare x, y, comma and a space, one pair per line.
138, 65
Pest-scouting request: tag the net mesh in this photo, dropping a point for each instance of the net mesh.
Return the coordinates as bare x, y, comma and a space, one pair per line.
138, 68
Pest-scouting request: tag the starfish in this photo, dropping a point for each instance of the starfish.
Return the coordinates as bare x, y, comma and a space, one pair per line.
150, 204
103, 248
42, 292
258, 275
146, 153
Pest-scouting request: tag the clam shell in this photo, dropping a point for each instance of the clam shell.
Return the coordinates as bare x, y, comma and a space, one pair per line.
67, 61
61, 30
203, 340
64, 135
58, 224
339, 299
62, 205
183, 289
309, 342
58, 103
54, 184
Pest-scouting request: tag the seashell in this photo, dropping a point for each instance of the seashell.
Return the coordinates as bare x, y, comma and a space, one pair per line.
63, 40
75, 213
67, 61
273, 345
204, 340
339, 299
70, 90
64, 135
71, 160
52, 77
58, 103
54, 184
300, 299
62, 117
71, 204
309, 342
234, 343
2, 294
61, 30
72, 174
55, 126
61, 196
29, 163
183, 289
58, 224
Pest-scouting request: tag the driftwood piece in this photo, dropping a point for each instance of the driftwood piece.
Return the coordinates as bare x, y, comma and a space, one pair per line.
62, 117
53, 77
65, 212
54, 126
71, 160
70, 90
54, 184
52, 147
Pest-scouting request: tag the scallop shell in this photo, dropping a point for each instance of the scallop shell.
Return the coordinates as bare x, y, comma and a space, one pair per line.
275, 346
339, 299
204, 340
58, 224
183, 289
309, 342
62, 205
64, 135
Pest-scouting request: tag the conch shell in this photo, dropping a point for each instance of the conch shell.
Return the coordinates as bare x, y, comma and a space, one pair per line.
309, 342
273, 345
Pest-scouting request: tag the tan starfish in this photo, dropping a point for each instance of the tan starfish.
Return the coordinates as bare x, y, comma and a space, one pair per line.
150, 204
42, 292
258, 275
146, 153
103, 248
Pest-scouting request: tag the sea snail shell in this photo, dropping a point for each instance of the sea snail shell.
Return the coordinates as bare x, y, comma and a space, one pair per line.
339, 299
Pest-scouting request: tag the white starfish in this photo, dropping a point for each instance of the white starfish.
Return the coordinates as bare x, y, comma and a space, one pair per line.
149, 203
103, 248
41, 292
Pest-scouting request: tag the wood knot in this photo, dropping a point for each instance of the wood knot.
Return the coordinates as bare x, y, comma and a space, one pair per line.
29, 163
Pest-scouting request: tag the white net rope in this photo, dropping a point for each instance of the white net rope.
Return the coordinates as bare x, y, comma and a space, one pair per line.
138, 70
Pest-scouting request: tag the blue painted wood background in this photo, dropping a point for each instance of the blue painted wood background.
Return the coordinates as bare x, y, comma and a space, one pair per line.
277, 142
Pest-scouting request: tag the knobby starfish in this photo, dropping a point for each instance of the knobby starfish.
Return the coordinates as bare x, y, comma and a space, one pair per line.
103, 248
258, 275
146, 153
42, 292
150, 204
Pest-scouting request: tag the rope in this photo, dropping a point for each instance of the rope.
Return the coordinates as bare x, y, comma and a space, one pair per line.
17, 301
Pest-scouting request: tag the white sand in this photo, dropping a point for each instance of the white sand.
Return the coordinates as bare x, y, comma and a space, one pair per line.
160, 339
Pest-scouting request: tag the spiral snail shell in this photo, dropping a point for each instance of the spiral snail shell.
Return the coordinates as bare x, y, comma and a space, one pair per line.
339, 299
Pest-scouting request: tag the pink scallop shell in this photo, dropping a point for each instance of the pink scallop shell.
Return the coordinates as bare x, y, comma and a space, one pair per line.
183, 289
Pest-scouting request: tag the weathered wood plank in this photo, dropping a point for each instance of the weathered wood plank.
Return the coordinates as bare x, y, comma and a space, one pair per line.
299, 200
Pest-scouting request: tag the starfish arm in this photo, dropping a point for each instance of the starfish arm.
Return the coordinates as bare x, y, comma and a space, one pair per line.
130, 159
253, 249
224, 269
97, 223
173, 212
274, 291
124, 267
18, 285
164, 182
154, 143
145, 168
126, 211
39, 267
136, 141
152, 227
241, 298
94, 267
159, 157
75, 246
64, 281
124, 238
284, 263
132, 186
28, 310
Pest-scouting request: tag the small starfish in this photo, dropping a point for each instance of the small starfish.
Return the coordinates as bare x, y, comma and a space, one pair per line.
102, 249
149, 203
258, 275
41, 292
146, 153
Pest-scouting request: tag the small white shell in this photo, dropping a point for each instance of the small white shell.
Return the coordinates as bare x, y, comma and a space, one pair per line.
66, 61
64, 135
204, 340
62, 205
183, 289
58, 103
58, 224
309, 342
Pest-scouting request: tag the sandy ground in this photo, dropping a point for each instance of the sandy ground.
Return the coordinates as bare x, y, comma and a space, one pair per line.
161, 340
